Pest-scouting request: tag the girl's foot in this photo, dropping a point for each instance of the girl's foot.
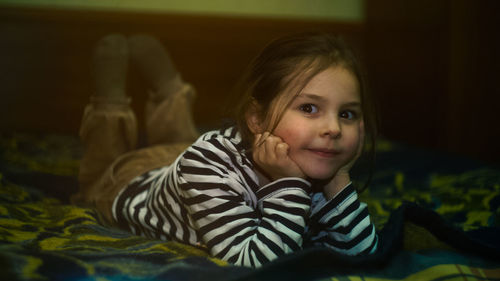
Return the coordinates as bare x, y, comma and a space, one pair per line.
110, 63
156, 66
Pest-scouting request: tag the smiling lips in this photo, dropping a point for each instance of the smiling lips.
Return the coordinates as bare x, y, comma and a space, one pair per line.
326, 153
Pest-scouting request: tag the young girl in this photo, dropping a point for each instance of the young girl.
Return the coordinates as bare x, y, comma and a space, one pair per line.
272, 184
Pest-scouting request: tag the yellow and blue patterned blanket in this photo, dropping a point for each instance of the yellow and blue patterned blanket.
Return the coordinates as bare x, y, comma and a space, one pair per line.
438, 218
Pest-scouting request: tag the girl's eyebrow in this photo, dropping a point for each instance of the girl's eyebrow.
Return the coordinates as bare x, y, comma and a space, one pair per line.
322, 99
311, 96
352, 104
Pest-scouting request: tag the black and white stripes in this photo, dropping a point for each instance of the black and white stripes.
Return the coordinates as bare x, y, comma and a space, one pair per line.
342, 224
210, 196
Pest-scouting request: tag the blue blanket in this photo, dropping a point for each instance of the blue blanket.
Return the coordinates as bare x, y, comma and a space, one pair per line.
438, 218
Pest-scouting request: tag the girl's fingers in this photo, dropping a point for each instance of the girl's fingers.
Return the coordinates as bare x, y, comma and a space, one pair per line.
265, 135
265, 147
281, 150
256, 147
256, 140
260, 152
271, 154
260, 138
269, 146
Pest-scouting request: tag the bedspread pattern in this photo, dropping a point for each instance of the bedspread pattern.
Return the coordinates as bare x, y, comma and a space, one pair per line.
42, 237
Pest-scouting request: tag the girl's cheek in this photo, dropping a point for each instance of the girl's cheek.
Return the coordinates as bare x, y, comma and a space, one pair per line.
286, 132
353, 143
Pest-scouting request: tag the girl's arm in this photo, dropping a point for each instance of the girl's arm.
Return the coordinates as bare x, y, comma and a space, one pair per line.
342, 223
217, 191
338, 219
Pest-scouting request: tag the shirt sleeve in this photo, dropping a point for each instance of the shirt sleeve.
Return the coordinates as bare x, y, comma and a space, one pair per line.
232, 227
342, 223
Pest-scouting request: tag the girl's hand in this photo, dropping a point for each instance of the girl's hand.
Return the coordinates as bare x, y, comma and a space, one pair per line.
342, 177
270, 154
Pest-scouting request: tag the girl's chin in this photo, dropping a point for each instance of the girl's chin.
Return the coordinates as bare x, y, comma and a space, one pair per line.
318, 170
320, 176
319, 184
319, 180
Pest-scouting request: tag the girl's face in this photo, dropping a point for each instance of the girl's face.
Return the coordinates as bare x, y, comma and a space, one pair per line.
323, 126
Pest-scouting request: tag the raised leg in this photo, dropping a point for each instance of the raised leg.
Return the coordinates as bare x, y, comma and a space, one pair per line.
168, 110
109, 126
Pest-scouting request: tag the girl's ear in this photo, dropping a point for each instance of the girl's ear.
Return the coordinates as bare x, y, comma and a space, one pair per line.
253, 118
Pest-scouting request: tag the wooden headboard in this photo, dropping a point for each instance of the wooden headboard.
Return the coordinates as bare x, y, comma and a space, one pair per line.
46, 55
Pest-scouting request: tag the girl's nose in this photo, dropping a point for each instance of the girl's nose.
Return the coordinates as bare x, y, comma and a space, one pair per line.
331, 128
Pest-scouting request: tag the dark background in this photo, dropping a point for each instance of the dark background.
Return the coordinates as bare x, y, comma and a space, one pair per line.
432, 66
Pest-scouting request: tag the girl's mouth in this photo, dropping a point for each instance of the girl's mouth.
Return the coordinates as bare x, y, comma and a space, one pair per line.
325, 153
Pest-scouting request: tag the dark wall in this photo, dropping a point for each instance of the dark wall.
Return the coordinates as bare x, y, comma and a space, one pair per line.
434, 66
46, 56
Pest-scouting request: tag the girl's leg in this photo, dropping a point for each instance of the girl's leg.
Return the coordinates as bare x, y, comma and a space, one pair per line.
109, 126
168, 110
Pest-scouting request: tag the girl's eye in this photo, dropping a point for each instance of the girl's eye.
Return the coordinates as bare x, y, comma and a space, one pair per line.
309, 108
349, 115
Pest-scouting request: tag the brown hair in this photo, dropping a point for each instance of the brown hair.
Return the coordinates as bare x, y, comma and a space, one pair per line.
291, 62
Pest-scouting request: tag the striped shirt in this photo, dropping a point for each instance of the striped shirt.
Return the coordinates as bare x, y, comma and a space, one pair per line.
211, 197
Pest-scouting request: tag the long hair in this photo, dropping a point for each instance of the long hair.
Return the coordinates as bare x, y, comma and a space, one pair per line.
286, 65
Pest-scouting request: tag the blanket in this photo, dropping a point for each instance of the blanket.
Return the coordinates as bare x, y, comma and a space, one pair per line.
437, 216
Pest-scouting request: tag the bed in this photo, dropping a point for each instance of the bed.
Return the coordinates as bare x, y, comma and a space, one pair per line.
437, 215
